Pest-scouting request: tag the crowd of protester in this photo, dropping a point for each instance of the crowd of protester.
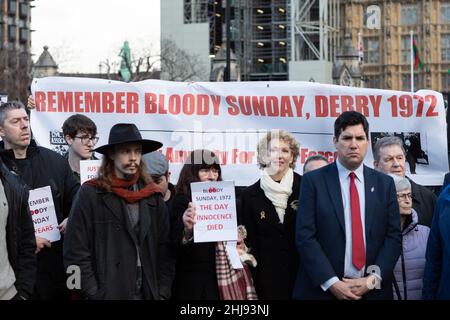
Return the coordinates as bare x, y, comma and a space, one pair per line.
341, 231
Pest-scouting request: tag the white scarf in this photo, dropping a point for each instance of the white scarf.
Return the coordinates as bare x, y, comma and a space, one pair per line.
276, 192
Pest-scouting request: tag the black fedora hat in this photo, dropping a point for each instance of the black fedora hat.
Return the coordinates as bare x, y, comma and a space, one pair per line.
128, 133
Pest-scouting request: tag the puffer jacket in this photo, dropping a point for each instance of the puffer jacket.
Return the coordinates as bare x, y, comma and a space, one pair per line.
410, 266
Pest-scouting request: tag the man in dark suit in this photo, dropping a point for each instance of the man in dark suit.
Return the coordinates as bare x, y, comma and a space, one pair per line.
348, 223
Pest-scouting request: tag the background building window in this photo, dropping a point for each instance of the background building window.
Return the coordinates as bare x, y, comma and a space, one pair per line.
445, 13
12, 7
445, 82
409, 15
406, 48
406, 82
445, 47
371, 50
372, 81
23, 10
12, 29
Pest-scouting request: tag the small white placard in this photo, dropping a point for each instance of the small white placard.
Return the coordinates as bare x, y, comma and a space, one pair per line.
215, 209
42, 211
89, 169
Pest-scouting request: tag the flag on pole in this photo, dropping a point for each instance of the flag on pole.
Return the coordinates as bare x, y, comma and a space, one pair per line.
417, 62
360, 49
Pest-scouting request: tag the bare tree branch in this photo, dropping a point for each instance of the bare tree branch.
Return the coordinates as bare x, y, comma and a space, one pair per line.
177, 64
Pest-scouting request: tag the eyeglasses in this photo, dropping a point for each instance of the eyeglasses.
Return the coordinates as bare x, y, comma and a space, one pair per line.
85, 139
206, 171
404, 196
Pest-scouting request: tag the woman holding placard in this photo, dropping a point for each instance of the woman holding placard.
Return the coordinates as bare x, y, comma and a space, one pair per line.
268, 209
197, 263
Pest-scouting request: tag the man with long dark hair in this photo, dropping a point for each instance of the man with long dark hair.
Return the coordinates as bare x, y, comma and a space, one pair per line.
118, 233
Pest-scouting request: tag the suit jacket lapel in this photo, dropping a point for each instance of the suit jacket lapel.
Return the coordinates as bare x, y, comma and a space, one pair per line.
370, 196
334, 190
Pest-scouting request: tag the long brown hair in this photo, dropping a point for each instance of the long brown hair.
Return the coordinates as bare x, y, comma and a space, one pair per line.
197, 160
106, 172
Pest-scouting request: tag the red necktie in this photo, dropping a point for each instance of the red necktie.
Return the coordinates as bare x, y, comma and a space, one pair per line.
358, 255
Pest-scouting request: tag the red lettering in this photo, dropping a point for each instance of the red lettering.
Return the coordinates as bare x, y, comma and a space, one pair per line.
132, 102
244, 103
298, 102
202, 104
233, 110
272, 106
174, 104
161, 109
347, 103
216, 104
78, 101
258, 106
376, 103
188, 104
92, 102
108, 102
286, 107
150, 102
334, 106
39, 100
51, 101
119, 102
321, 106
362, 103
65, 102
214, 227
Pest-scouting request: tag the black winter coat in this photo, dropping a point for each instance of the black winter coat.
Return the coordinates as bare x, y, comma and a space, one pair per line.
44, 167
271, 242
423, 201
196, 277
21, 243
100, 240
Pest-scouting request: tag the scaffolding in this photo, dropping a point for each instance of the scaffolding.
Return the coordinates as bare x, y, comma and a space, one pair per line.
261, 38
267, 34
196, 11
314, 29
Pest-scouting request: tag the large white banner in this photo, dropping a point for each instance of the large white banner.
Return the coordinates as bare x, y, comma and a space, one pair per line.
230, 118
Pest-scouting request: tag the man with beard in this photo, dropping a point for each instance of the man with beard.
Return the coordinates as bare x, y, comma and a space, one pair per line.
118, 233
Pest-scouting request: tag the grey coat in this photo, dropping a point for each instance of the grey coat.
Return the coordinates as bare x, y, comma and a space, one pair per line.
411, 264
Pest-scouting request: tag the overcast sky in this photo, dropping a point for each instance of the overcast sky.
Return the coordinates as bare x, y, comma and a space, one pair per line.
80, 34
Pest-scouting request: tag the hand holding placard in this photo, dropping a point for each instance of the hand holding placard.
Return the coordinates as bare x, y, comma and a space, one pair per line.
215, 215
188, 221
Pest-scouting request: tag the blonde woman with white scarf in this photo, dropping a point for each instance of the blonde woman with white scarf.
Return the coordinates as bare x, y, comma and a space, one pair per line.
269, 208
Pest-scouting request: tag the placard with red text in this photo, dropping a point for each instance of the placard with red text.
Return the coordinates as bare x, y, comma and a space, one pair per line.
215, 211
43, 213
89, 169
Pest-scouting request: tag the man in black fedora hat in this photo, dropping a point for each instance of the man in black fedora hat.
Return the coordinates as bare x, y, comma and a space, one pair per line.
118, 232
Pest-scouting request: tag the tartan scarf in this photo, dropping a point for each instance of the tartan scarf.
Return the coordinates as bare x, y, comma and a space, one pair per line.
120, 188
234, 284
